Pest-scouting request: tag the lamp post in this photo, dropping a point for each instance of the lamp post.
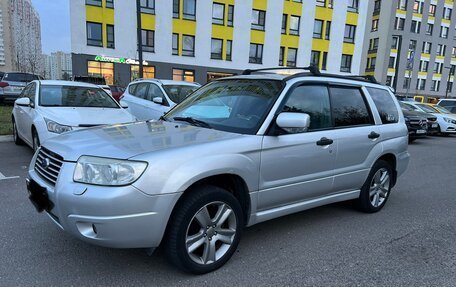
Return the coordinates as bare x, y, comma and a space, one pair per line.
139, 35
450, 73
398, 57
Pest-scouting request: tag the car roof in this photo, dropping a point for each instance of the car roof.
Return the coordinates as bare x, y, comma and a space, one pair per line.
67, 83
167, 82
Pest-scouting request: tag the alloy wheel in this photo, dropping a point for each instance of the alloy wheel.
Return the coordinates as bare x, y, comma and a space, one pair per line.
379, 187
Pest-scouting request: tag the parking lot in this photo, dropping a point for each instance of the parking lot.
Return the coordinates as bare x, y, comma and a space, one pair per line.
410, 242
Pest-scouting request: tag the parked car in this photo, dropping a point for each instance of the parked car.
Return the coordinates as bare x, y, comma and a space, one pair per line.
117, 92
106, 88
446, 102
195, 179
447, 123
441, 109
12, 85
150, 98
417, 123
99, 81
452, 109
49, 108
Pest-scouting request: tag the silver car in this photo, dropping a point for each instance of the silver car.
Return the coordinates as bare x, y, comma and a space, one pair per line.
12, 84
239, 151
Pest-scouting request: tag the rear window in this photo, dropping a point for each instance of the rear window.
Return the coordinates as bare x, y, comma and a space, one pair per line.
178, 93
19, 77
447, 103
385, 105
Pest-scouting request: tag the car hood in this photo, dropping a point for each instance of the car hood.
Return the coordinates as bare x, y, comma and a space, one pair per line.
415, 114
75, 117
129, 140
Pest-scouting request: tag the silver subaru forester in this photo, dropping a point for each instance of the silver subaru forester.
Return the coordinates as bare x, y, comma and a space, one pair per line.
238, 151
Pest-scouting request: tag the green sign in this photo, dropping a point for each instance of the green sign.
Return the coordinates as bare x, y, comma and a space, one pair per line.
118, 60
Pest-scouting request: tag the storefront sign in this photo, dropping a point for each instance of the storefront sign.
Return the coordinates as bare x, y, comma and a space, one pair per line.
119, 60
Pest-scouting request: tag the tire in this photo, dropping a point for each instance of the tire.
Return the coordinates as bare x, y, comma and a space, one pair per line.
35, 140
374, 193
188, 224
16, 137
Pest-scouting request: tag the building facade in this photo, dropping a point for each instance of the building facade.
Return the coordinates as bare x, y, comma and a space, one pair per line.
199, 40
410, 46
58, 66
20, 37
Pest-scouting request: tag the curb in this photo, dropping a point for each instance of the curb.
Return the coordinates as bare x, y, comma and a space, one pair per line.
4, 139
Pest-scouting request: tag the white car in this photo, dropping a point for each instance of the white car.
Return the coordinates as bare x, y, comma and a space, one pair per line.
447, 122
151, 98
49, 108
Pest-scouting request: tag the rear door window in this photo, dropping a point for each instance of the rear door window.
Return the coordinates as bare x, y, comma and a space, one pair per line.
385, 105
349, 107
140, 91
155, 92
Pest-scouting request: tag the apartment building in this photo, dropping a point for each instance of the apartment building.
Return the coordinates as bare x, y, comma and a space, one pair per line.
410, 46
57, 66
20, 37
200, 40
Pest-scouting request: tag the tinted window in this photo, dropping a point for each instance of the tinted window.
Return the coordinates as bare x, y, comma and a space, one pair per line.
140, 91
153, 92
314, 101
177, 93
19, 77
132, 89
446, 103
67, 96
385, 105
349, 107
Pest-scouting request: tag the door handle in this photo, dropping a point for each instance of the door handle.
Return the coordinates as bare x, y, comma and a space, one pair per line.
324, 141
373, 135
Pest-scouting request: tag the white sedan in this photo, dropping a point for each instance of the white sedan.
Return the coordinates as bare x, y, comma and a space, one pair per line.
49, 108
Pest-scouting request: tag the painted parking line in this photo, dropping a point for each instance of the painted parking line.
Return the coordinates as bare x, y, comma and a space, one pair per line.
3, 177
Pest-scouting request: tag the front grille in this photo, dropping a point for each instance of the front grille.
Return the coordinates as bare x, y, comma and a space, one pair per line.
48, 165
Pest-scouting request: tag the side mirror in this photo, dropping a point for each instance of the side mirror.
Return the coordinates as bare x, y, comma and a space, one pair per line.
24, 102
124, 105
158, 100
293, 122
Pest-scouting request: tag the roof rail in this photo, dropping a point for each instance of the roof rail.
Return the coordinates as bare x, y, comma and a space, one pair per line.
362, 78
312, 69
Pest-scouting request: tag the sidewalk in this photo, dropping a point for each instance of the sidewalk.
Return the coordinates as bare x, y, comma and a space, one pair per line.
4, 139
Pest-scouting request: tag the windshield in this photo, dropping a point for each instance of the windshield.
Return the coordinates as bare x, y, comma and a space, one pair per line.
428, 109
69, 96
441, 109
178, 93
406, 107
19, 77
238, 106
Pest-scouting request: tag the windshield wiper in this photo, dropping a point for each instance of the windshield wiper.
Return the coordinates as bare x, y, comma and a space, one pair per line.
193, 121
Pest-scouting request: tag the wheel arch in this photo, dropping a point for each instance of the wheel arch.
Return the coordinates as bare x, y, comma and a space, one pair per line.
391, 159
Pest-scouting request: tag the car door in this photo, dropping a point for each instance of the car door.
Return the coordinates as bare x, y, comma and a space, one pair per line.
28, 112
19, 113
298, 165
151, 109
357, 137
136, 101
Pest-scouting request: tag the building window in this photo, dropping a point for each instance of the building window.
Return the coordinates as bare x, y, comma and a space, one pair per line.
346, 63
349, 36
175, 44
188, 46
93, 3
216, 49
424, 65
418, 7
321, 3
395, 43
432, 9
392, 63
148, 72
438, 67
110, 36
216, 75
441, 49
218, 13
176, 8
230, 15
294, 25
389, 81
315, 58
229, 48
148, 40
258, 19
189, 9
427, 46
399, 23
435, 87
109, 3
291, 57
281, 56
447, 13
453, 52
377, 7
284, 23
429, 29
256, 53
94, 34
373, 45
100, 69
353, 6
406, 84
444, 32
328, 30
374, 25
183, 75
318, 29
324, 61
402, 4
148, 6
415, 27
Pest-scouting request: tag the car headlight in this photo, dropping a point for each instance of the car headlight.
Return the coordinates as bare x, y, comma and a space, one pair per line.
107, 171
56, 128
448, 120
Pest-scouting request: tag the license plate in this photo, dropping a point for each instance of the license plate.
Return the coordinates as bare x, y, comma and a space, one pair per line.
435, 125
420, 132
38, 196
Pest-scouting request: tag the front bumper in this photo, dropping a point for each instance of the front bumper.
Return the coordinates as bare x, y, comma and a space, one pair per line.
119, 217
447, 128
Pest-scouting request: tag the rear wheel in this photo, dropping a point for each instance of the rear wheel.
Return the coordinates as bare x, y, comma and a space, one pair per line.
16, 138
204, 230
376, 189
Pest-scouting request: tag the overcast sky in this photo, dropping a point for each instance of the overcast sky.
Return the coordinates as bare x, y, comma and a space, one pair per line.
55, 24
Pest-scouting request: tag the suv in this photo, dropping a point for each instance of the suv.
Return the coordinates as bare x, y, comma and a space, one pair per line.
12, 84
237, 152
151, 98
447, 102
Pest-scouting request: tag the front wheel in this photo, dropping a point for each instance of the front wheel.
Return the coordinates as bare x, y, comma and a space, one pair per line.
16, 138
204, 230
376, 189
36, 140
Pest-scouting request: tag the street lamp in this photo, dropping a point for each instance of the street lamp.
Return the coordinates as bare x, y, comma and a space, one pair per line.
139, 35
450, 73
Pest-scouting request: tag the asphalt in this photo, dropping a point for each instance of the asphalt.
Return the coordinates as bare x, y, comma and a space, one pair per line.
411, 242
